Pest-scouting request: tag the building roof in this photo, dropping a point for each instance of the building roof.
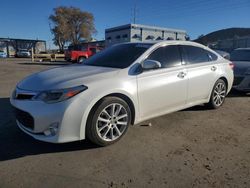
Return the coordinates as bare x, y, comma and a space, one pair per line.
33, 40
138, 26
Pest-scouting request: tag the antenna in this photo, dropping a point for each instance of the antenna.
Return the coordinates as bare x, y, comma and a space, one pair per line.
135, 11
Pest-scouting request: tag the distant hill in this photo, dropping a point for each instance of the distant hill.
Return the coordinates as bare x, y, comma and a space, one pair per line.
223, 34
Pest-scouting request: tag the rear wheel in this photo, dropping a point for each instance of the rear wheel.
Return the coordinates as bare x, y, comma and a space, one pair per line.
108, 121
81, 59
218, 94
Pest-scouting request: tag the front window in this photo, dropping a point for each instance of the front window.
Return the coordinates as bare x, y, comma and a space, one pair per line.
240, 55
168, 56
118, 56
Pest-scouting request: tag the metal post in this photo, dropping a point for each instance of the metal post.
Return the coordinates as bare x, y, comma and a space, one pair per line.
32, 55
7, 49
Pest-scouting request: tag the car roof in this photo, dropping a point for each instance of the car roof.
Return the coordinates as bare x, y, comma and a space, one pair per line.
169, 42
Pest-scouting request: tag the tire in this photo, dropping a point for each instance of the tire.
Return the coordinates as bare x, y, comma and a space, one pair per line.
218, 94
81, 60
108, 121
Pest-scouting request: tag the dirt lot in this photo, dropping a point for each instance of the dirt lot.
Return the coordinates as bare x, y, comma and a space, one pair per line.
191, 148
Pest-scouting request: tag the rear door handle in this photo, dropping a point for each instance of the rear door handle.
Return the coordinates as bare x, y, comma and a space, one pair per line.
181, 74
213, 68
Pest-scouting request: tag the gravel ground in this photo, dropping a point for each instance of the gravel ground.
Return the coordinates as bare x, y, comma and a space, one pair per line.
190, 148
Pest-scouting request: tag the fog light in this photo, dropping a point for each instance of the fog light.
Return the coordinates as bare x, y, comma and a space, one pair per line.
52, 130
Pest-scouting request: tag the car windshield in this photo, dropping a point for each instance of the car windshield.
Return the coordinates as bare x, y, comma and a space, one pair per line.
118, 56
240, 55
1, 51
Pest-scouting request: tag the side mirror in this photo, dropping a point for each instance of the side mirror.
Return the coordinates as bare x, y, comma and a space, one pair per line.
151, 64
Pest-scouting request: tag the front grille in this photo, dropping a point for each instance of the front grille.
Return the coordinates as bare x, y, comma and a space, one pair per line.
24, 96
24, 118
237, 80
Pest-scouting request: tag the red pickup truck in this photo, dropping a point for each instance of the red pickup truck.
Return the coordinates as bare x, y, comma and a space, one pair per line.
79, 53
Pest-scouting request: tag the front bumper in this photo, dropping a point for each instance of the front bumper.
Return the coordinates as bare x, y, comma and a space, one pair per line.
66, 114
242, 83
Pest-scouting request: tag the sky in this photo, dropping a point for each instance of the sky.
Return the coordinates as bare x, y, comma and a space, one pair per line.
29, 18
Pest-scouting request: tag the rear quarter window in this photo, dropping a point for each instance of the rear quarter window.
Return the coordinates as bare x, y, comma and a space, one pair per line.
211, 56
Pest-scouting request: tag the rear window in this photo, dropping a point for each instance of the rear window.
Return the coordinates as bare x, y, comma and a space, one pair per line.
78, 48
240, 55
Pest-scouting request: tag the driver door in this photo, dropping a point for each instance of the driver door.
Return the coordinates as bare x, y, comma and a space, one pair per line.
164, 89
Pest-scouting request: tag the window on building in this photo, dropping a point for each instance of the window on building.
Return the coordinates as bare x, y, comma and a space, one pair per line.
170, 38
109, 39
118, 37
136, 36
159, 38
150, 37
125, 37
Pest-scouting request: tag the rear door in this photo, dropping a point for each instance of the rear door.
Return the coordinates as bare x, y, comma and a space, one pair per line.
201, 70
164, 89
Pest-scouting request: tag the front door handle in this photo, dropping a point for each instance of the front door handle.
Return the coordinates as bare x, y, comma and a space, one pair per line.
213, 68
181, 74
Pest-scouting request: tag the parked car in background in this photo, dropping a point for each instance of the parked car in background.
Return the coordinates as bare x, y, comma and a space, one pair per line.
79, 53
122, 85
3, 54
241, 60
224, 54
23, 53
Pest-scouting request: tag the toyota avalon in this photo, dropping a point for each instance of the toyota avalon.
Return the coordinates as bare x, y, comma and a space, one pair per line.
120, 86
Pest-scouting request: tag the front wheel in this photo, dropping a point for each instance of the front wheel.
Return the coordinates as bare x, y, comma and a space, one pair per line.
218, 94
108, 121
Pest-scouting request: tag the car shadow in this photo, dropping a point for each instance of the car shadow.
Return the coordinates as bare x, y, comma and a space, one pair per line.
197, 108
16, 144
234, 93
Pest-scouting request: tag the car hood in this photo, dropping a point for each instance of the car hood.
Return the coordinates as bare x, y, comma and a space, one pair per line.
65, 77
240, 67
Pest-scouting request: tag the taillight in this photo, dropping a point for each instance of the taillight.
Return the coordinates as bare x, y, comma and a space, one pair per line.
231, 65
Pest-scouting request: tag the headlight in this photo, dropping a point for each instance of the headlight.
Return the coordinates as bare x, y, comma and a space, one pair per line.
248, 71
53, 96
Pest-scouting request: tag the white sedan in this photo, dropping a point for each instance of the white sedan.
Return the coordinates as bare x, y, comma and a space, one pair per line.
120, 86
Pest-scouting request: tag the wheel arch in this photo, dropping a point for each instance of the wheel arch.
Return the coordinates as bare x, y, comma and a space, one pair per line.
222, 77
121, 96
225, 80
90, 110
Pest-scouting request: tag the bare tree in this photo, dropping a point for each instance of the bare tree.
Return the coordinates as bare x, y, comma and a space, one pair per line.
70, 24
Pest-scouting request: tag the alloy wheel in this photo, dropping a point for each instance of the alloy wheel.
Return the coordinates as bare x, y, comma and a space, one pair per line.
219, 94
112, 122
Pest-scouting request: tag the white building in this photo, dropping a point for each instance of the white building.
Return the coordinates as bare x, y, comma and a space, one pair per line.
144, 33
